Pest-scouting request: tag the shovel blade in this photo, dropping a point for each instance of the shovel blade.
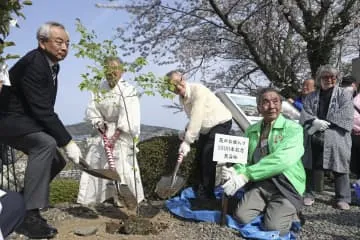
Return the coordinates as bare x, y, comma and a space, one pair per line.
126, 194
100, 173
169, 186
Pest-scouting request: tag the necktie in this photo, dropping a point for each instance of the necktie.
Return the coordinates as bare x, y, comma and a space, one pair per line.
54, 71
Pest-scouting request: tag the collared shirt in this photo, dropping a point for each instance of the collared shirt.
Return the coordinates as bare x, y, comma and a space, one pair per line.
51, 64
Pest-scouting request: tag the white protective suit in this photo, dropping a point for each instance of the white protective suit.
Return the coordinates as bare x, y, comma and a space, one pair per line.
111, 108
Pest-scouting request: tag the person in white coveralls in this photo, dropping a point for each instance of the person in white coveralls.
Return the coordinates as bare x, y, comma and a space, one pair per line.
117, 111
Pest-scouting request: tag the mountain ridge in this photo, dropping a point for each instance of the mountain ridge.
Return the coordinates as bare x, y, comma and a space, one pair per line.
82, 130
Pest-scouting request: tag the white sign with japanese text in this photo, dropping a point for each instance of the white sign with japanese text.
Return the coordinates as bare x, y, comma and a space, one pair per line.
230, 149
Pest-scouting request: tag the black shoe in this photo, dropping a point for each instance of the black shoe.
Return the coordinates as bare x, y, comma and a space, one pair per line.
45, 221
36, 213
35, 227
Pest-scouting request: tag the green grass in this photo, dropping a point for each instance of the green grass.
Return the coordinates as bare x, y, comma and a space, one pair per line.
63, 190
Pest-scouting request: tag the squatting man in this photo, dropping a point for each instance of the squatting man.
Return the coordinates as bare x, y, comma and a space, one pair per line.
274, 177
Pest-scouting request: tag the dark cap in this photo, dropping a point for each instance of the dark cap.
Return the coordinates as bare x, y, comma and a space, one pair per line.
347, 81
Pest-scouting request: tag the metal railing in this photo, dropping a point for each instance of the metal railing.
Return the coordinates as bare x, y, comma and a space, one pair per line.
7, 168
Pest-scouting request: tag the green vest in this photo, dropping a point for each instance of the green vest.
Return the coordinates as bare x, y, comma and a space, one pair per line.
286, 147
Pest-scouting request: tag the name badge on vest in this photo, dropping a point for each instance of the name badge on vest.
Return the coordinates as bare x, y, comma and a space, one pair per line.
278, 138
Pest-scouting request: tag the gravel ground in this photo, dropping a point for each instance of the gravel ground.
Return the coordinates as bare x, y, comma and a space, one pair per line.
322, 222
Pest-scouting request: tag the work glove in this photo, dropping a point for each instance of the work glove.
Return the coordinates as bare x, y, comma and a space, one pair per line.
181, 135
320, 125
234, 181
227, 173
101, 126
73, 152
184, 148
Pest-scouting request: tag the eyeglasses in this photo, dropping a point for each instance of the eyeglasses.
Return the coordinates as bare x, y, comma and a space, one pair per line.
59, 42
325, 77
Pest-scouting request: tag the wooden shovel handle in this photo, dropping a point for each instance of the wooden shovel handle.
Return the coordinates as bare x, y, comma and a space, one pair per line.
224, 203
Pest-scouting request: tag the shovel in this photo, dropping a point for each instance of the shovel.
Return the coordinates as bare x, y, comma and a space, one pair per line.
100, 173
168, 186
122, 189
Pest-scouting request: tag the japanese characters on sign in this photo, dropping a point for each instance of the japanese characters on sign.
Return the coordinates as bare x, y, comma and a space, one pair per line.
230, 149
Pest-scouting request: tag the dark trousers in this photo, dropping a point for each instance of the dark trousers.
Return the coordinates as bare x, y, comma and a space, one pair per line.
355, 155
206, 168
44, 163
13, 212
342, 181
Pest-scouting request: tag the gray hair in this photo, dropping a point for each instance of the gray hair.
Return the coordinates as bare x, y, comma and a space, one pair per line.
43, 33
169, 74
262, 91
113, 58
326, 69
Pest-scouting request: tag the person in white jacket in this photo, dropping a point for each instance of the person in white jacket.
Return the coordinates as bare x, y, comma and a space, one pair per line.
207, 116
117, 111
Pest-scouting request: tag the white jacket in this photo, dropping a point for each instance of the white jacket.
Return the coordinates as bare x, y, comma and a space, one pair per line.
203, 109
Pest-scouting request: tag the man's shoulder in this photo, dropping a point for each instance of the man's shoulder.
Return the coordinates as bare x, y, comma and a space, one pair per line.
284, 123
32, 57
291, 126
196, 85
255, 127
128, 88
200, 90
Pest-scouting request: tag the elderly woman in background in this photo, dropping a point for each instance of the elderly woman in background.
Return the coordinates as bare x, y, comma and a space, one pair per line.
327, 118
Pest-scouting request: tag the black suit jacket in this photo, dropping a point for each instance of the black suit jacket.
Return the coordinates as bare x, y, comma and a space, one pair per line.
27, 106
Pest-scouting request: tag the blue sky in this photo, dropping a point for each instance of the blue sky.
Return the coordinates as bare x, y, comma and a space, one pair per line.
71, 102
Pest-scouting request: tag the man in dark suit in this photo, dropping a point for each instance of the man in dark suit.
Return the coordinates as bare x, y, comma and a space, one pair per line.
28, 123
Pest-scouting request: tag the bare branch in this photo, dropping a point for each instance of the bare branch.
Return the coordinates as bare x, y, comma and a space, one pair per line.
243, 76
222, 16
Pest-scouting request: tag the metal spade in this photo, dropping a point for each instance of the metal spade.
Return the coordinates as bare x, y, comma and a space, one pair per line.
168, 186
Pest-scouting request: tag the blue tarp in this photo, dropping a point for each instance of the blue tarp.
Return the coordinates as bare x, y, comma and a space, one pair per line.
181, 206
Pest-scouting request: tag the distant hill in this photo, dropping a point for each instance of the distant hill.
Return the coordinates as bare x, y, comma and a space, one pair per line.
80, 131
